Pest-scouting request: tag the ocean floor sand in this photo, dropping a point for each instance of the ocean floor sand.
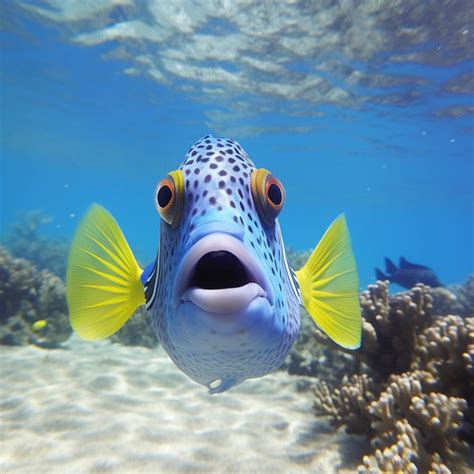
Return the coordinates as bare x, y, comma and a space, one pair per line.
102, 407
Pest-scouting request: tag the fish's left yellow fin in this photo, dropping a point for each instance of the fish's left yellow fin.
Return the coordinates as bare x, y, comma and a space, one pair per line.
103, 277
329, 286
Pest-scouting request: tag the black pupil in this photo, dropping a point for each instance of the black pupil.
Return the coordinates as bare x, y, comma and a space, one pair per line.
164, 195
274, 194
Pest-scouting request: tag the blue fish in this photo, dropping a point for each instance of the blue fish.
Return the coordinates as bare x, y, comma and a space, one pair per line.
223, 301
407, 274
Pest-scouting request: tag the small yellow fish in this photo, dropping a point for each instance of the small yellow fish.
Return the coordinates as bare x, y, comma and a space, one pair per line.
39, 325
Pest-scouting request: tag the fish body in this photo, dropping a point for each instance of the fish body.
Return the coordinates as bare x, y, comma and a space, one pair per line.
37, 326
407, 274
223, 301
246, 331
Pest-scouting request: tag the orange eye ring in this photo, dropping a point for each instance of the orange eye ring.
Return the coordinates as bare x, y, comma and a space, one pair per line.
169, 198
268, 195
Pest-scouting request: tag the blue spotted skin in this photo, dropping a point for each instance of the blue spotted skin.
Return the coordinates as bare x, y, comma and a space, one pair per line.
218, 199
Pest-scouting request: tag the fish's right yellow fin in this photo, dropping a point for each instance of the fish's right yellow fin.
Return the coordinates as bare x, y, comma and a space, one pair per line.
329, 286
103, 277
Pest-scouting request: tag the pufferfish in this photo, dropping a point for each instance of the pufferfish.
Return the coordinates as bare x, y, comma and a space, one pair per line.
223, 301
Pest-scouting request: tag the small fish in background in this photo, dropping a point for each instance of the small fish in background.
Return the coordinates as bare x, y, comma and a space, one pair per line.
223, 301
37, 326
407, 274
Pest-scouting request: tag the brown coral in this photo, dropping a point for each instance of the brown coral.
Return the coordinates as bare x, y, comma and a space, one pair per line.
28, 295
390, 325
446, 351
349, 404
431, 421
421, 388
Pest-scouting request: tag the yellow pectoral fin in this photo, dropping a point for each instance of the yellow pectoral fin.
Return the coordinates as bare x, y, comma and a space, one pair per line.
329, 286
103, 277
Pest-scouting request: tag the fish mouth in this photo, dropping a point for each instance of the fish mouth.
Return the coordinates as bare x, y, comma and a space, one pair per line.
220, 276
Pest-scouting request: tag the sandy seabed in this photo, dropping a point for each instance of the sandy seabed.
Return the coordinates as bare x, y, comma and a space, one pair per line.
102, 407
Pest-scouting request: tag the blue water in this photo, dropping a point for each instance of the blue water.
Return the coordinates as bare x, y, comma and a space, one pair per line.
396, 158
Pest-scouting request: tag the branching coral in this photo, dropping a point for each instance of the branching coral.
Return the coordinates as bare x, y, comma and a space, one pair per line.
414, 430
445, 350
390, 326
417, 397
349, 404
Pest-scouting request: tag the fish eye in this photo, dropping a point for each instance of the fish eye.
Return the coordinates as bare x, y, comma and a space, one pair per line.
268, 195
165, 195
274, 192
169, 198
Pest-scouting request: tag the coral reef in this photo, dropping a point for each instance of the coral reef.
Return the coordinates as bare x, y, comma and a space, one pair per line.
297, 258
28, 295
465, 297
137, 331
24, 241
309, 358
349, 403
413, 393
414, 430
455, 299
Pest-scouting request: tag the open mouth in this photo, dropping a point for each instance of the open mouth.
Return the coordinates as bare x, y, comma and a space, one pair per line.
220, 275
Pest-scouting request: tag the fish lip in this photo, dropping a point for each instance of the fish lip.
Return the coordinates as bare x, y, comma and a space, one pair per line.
224, 300
215, 242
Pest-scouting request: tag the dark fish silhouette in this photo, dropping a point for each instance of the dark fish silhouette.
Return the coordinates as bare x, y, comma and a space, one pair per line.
407, 274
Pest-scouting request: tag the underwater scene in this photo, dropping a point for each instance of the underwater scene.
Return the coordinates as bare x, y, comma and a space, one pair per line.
237, 236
